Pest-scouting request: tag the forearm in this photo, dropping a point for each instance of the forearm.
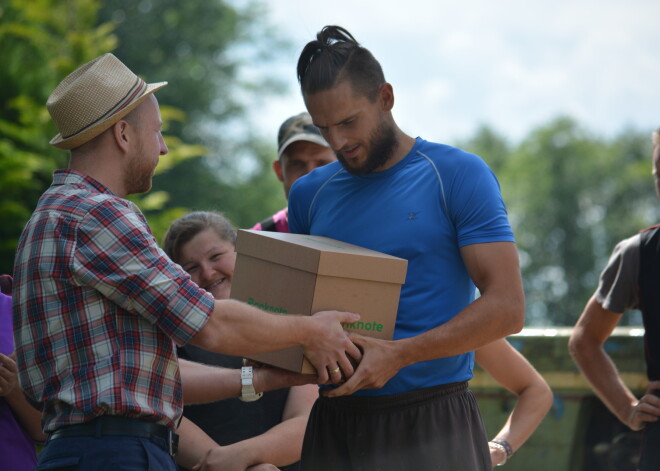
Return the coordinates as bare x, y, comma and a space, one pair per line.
532, 406
485, 320
194, 444
281, 445
601, 373
203, 383
236, 328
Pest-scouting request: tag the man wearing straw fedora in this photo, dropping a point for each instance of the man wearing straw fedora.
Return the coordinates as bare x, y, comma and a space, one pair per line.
98, 306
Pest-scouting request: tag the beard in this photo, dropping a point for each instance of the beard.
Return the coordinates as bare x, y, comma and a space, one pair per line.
382, 143
139, 174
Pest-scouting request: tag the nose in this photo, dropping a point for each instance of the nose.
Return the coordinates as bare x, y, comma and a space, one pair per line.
206, 273
335, 138
163, 147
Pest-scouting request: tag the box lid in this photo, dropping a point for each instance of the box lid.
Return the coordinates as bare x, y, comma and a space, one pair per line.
322, 255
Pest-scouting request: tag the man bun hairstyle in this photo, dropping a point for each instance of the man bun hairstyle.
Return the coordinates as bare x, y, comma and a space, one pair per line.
335, 56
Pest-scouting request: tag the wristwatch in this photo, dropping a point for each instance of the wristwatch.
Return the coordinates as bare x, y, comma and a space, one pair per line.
248, 394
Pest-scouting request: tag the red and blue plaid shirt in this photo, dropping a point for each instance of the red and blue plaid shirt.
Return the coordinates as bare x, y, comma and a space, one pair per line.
97, 307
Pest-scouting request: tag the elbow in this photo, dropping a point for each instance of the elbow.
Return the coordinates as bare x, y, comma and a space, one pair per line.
576, 345
516, 318
583, 348
546, 397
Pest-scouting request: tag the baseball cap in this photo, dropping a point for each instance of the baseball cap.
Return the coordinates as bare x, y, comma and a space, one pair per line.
298, 128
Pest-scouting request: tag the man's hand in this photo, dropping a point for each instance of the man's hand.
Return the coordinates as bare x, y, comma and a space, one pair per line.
381, 360
331, 349
8, 375
647, 408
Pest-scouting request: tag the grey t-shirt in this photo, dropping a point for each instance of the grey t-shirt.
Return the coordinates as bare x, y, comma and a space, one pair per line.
617, 289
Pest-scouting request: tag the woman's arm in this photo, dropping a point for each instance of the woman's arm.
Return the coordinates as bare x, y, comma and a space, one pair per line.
512, 370
206, 383
194, 444
280, 446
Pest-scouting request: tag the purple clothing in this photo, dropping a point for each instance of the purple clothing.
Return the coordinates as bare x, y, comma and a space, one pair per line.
6, 336
17, 450
278, 222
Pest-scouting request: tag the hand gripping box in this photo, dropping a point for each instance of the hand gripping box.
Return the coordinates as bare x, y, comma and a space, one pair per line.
301, 274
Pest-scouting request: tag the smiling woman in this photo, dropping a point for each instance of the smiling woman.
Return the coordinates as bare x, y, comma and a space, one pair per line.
210, 262
269, 430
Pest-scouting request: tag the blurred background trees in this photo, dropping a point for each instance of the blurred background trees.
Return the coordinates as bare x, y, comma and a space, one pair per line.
570, 194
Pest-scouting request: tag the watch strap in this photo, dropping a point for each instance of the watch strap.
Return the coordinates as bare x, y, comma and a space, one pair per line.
248, 393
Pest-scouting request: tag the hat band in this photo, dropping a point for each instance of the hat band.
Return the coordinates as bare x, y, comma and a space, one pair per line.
136, 90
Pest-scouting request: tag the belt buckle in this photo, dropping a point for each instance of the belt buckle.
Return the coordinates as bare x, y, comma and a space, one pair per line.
172, 442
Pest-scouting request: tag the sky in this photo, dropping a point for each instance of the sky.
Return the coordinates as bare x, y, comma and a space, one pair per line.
510, 64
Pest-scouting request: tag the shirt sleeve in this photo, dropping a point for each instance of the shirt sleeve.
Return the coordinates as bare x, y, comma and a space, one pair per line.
477, 206
617, 287
297, 203
117, 255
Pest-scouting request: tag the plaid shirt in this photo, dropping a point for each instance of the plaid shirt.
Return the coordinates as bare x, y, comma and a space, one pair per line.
97, 306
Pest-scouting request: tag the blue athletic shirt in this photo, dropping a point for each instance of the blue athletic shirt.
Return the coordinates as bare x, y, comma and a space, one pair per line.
423, 209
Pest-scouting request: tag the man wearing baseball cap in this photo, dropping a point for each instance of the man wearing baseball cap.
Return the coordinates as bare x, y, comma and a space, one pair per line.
98, 306
300, 149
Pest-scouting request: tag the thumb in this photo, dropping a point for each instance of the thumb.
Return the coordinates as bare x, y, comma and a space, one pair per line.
357, 339
348, 317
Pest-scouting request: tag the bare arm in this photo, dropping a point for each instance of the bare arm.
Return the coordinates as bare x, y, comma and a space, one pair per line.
512, 370
235, 328
280, 446
28, 416
204, 383
194, 444
498, 312
593, 328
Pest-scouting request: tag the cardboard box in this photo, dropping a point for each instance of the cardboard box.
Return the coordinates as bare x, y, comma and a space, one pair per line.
302, 274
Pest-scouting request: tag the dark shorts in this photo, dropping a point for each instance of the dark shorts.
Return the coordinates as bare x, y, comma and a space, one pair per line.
432, 429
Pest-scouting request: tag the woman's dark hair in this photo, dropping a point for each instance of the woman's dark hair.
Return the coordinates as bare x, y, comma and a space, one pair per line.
334, 56
182, 230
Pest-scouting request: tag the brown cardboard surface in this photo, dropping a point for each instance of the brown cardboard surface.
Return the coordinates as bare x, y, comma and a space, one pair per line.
301, 274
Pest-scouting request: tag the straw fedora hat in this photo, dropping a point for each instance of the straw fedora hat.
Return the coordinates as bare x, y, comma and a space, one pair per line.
93, 98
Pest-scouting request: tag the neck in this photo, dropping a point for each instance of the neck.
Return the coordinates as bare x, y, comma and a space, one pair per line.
101, 169
403, 145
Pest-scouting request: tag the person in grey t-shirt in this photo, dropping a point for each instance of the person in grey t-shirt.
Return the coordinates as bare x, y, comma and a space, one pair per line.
624, 285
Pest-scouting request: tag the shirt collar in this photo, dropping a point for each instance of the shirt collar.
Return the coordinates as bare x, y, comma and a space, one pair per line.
72, 177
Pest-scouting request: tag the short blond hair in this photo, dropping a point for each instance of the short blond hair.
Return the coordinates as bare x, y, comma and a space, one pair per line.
656, 137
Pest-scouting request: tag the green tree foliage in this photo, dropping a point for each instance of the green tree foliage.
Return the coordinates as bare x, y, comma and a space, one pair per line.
41, 41
244, 201
571, 196
209, 52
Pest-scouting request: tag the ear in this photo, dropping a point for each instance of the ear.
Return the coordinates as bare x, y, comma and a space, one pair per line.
120, 134
277, 166
386, 96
